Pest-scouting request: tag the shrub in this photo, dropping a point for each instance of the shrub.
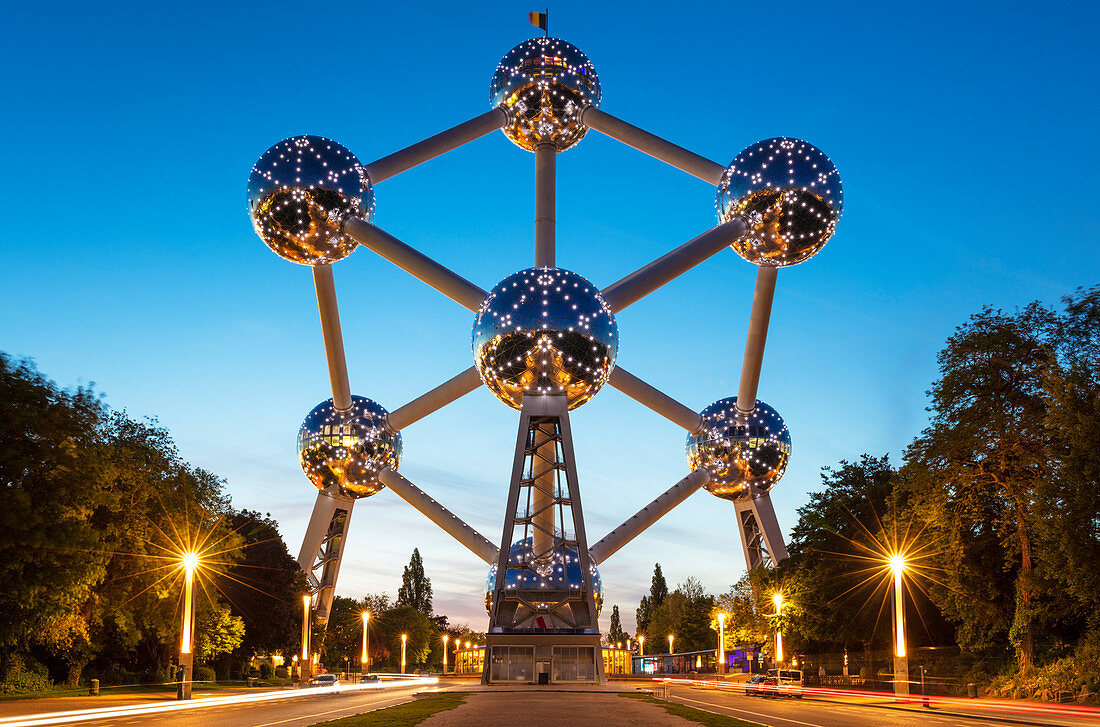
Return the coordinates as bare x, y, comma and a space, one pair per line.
203, 674
282, 672
266, 670
22, 681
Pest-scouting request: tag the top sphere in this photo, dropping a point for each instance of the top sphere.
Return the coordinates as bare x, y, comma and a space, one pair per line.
789, 192
743, 453
545, 83
299, 189
545, 331
347, 449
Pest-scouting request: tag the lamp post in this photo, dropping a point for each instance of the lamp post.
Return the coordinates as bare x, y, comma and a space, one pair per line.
641, 645
777, 599
303, 673
722, 642
445, 637
190, 562
901, 660
404, 640
365, 660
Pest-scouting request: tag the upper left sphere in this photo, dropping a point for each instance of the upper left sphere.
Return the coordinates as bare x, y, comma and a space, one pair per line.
298, 193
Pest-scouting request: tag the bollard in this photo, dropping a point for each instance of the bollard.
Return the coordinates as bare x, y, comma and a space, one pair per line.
972, 690
93, 688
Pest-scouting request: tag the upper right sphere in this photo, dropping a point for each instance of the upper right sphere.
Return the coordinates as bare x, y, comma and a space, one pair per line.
790, 195
545, 83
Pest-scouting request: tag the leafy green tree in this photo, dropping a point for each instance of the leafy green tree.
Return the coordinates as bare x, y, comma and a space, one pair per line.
641, 616
615, 633
415, 625
220, 632
658, 588
745, 608
416, 588
686, 615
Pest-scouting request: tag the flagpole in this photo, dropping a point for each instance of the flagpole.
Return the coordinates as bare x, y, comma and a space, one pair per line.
547, 28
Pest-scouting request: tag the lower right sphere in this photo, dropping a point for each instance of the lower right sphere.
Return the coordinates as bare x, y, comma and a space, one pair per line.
741, 452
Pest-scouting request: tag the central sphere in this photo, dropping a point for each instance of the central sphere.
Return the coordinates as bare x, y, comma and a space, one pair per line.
564, 572
545, 331
347, 449
545, 83
743, 453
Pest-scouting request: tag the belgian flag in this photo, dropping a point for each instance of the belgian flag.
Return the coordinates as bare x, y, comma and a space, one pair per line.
541, 20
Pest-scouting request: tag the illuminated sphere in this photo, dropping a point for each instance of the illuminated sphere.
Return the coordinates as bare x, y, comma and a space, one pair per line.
555, 575
347, 449
544, 83
742, 452
299, 191
545, 331
789, 192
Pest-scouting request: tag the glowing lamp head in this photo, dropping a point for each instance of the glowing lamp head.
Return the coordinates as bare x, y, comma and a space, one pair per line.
897, 564
190, 561
347, 449
790, 195
777, 599
545, 331
545, 83
299, 191
562, 571
743, 453
366, 616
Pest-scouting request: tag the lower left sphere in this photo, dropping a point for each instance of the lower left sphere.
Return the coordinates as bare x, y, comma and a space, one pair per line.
347, 449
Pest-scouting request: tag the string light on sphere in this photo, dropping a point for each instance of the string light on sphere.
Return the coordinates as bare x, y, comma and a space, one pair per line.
347, 449
562, 571
741, 452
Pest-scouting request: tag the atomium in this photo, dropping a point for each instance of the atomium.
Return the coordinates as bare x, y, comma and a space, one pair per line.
545, 83
545, 331
298, 189
563, 571
790, 195
347, 449
745, 454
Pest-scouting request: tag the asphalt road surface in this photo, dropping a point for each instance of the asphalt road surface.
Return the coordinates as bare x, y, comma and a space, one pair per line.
785, 712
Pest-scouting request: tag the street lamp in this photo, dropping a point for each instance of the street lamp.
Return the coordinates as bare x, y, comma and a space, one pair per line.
365, 660
445, 637
404, 640
777, 599
670, 637
190, 563
641, 645
722, 642
302, 674
901, 661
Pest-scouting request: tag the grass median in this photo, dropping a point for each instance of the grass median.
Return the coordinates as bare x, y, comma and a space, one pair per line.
695, 715
402, 715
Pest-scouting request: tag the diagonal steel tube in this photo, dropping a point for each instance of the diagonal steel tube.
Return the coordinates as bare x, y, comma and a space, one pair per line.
653, 145
655, 399
648, 515
441, 516
644, 281
414, 262
761, 314
443, 142
450, 390
332, 336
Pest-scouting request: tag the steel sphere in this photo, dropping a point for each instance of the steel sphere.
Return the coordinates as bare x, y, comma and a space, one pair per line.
347, 449
545, 83
562, 570
742, 453
545, 331
790, 194
298, 192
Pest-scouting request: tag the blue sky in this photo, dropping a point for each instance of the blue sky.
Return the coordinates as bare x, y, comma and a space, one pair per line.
964, 133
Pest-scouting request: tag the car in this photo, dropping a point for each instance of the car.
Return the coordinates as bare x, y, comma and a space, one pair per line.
324, 680
754, 684
782, 682
368, 679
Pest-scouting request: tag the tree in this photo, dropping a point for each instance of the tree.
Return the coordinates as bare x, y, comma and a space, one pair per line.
976, 473
220, 632
418, 628
416, 588
685, 614
744, 606
658, 589
615, 633
641, 616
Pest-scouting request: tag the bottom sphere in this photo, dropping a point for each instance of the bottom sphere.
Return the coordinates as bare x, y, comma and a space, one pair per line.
555, 575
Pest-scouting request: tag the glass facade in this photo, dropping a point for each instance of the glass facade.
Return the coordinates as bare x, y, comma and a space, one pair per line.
513, 664
574, 664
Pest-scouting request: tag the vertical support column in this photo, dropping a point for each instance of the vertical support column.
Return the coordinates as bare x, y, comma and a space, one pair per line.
758, 334
333, 336
546, 160
542, 494
323, 549
761, 537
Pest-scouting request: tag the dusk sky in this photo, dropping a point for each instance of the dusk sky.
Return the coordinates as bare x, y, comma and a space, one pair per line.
965, 135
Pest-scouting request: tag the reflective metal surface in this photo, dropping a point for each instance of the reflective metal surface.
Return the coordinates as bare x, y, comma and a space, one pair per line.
740, 450
298, 189
790, 194
564, 572
544, 83
545, 331
347, 449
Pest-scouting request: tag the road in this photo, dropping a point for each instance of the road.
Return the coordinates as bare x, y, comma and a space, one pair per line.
289, 710
841, 713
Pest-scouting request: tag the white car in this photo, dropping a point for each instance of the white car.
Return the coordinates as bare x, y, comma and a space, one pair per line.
324, 680
782, 683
